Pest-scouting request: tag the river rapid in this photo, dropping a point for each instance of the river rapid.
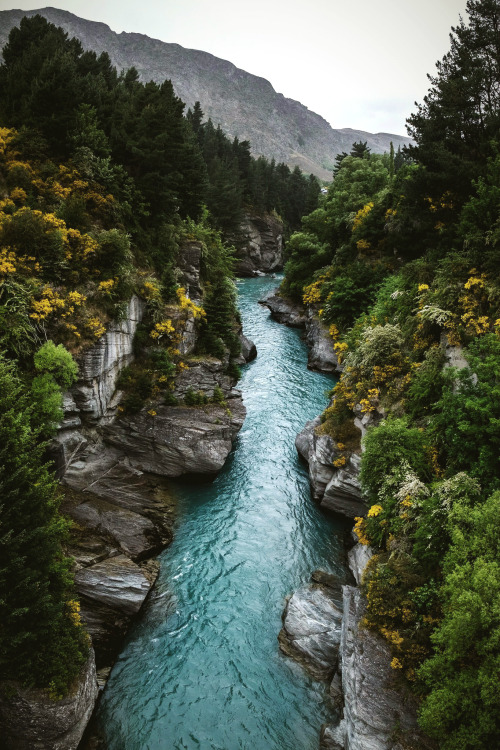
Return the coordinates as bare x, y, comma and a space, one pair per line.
202, 669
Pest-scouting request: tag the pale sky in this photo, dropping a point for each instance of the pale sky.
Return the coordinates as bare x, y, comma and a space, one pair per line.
358, 64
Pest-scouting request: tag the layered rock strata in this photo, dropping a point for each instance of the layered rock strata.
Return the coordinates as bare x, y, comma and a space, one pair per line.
336, 488
261, 247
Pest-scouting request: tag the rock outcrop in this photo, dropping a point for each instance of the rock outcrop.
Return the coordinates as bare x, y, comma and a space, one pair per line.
322, 355
285, 311
377, 711
312, 622
336, 488
122, 519
261, 247
177, 439
30, 719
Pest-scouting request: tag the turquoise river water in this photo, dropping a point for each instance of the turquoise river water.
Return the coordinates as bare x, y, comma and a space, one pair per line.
202, 669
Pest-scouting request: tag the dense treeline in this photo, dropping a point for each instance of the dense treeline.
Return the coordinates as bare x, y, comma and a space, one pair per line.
401, 260
102, 180
85, 110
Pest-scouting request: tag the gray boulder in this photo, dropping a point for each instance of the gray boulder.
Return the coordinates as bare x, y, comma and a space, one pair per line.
311, 630
248, 349
284, 310
30, 720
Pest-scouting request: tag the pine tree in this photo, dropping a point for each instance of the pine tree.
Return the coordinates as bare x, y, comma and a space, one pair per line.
42, 642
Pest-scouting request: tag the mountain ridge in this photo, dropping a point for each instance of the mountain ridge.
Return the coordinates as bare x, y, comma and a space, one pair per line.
244, 105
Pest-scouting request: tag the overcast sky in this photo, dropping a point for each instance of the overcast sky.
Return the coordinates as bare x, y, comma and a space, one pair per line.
360, 64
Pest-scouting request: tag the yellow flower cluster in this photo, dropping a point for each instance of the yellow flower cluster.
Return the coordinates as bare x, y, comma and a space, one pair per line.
360, 530
95, 327
73, 611
7, 260
106, 287
361, 216
375, 511
151, 291
187, 304
363, 245
164, 328
339, 462
312, 293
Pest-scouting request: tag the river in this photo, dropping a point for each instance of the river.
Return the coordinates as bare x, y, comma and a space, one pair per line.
202, 669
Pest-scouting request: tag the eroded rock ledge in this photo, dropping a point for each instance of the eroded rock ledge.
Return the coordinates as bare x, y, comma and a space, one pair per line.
321, 355
336, 488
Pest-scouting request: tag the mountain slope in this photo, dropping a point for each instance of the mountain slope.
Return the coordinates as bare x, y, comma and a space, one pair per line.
244, 105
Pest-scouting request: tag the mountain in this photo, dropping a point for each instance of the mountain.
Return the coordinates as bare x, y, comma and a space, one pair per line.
244, 105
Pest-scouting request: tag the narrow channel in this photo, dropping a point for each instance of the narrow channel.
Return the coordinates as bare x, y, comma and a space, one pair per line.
202, 669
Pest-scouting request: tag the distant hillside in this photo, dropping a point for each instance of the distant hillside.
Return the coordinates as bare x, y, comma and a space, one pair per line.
244, 105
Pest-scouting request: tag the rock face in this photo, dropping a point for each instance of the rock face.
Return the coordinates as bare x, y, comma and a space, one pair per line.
123, 518
284, 310
179, 440
374, 706
311, 628
100, 365
261, 249
322, 355
91, 401
337, 489
31, 720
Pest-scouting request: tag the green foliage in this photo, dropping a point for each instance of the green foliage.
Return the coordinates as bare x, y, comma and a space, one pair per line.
467, 419
46, 398
42, 642
58, 362
426, 386
461, 710
113, 255
387, 446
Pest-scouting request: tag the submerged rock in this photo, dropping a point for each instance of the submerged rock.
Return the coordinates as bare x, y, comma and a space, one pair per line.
311, 628
30, 719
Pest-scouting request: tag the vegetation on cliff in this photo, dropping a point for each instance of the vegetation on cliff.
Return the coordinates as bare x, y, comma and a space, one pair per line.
401, 261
